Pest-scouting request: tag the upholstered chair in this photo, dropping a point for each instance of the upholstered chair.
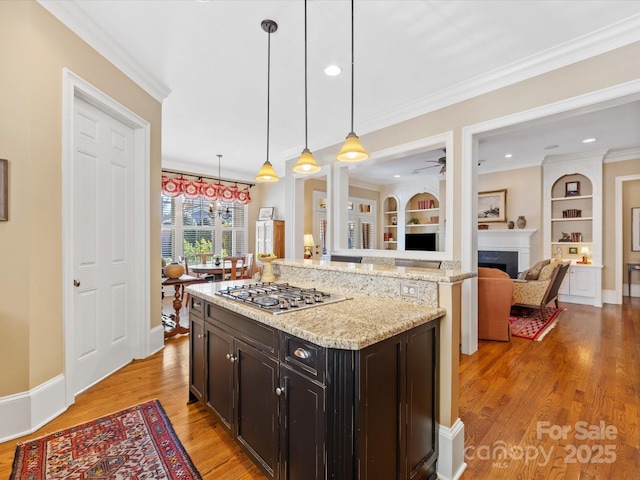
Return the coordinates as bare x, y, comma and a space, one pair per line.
495, 297
539, 292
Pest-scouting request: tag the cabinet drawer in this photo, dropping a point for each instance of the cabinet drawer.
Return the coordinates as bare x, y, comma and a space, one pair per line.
305, 357
254, 333
196, 306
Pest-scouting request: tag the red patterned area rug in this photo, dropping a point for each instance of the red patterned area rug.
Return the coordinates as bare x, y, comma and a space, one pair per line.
134, 444
533, 327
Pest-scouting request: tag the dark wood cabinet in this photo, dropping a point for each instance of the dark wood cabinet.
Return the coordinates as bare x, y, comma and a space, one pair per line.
256, 419
196, 351
306, 412
302, 427
220, 385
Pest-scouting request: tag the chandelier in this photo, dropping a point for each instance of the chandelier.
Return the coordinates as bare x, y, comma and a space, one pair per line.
216, 209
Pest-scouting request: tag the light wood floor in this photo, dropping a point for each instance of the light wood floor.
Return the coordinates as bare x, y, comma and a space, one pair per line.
586, 370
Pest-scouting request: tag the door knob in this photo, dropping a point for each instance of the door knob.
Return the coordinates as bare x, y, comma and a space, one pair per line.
76, 283
280, 391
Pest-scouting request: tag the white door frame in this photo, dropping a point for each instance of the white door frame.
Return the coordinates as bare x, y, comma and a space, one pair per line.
75, 87
619, 292
470, 136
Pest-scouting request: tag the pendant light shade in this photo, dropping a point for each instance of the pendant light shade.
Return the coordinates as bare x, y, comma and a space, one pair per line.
306, 163
352, 150
267, 173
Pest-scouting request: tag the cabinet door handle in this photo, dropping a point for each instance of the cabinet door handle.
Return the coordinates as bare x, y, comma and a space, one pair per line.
301, 353
280, 391
200, 336
196, 304
230, 357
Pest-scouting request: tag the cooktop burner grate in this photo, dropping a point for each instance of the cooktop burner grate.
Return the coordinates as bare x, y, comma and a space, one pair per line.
279, 298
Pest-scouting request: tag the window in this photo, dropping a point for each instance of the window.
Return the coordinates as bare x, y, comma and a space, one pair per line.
198, 232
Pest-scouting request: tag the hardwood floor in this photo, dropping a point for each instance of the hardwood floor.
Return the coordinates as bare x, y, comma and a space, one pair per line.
585, 370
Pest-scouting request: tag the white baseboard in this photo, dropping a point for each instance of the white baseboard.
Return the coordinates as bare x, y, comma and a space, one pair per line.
156, 340
451, 462
26, 412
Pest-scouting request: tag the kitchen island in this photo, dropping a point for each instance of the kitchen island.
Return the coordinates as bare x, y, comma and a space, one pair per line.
346, 390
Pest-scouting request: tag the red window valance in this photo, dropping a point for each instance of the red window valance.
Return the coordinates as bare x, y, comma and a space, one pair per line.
174, 186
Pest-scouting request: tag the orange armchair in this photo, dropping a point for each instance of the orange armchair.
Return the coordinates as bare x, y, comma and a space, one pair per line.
495, 297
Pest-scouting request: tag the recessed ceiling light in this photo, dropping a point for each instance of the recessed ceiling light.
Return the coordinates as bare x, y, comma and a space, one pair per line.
588, 140
396, 176
508, 155
332, 70
551, 147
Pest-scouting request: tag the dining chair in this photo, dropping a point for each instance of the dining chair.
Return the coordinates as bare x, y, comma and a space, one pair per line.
231, 266
247, 270
204, 257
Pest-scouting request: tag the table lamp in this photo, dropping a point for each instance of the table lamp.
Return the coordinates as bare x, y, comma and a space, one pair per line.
585, 255
308, 245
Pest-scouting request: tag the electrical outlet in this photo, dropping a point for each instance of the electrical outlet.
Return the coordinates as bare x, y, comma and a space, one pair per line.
409, 289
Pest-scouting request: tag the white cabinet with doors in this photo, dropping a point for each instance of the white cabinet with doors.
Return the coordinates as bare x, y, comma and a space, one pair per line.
270, 237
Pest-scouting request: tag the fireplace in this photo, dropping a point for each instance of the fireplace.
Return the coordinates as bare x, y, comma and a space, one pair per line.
505, 261
516, 241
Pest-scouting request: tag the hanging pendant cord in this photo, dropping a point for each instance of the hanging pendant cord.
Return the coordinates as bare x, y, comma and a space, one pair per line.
306, 145
268, 86
352, 69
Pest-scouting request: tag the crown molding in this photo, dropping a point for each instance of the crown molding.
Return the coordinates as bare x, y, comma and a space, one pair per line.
604, 40
74, 18
622, 155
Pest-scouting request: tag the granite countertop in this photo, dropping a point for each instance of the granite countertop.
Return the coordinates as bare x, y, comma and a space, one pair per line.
413, 273
352, 324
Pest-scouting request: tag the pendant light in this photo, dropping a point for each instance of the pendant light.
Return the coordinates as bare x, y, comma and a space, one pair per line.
267, 173
215, 208
352, 150
306, 163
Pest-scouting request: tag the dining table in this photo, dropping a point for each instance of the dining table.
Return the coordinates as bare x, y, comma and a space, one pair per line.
212, 268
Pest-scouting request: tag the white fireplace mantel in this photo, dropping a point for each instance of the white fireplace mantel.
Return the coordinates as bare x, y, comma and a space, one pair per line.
509, 241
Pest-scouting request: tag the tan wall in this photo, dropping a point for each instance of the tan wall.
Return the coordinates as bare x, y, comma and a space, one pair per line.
630, 199
35, 48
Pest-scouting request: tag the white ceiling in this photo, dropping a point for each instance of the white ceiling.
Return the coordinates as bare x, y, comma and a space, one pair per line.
410, 57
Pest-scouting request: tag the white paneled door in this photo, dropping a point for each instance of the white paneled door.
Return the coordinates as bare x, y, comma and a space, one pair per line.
103, 221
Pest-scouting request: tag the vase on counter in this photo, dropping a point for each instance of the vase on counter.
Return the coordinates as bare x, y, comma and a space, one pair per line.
510, 224
521, 221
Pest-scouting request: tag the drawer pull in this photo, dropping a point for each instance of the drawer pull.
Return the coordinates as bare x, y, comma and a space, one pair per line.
197, 304
302, 353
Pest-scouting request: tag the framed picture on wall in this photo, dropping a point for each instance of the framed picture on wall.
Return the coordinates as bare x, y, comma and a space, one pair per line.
265, 213
4, 190
635, 229
492, 206
572, 189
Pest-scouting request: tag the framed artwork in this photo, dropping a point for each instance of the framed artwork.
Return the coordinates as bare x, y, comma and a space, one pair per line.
572, 189
573, 250
492, 206
635, 229
4, 190
266, 213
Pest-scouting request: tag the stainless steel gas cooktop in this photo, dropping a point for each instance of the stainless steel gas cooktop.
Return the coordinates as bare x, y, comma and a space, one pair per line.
279, 298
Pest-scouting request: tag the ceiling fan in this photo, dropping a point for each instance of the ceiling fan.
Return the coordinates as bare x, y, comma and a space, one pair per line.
441, 162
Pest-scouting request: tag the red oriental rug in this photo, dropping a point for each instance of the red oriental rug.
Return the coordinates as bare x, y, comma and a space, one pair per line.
533, 327
134, 444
